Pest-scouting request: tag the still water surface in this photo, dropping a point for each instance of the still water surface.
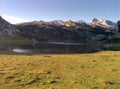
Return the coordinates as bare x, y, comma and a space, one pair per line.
51, 47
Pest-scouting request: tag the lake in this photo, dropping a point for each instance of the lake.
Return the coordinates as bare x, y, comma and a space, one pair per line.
51, 47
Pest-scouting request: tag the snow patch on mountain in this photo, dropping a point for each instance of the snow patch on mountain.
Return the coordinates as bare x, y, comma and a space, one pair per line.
103, 23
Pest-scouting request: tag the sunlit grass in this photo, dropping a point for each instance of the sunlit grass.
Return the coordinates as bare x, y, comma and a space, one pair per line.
61, 71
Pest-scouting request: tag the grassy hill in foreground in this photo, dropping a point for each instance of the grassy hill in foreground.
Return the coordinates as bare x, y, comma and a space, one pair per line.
61, 71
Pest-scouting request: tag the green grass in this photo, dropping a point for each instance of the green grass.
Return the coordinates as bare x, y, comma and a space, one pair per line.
61, 71
11, 40
115, 46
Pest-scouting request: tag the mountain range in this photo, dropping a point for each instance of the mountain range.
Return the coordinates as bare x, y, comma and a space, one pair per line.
58, 30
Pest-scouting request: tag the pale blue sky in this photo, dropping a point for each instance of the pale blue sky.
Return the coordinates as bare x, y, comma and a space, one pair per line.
48, 10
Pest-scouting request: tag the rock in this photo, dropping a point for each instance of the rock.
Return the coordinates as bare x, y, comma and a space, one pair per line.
6, 28
118, 25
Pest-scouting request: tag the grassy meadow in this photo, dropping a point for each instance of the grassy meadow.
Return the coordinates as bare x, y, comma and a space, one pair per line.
13, 40
99, 70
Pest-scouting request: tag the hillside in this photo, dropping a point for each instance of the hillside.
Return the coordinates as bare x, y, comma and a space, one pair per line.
94, 32
68, 31
9, 34
6, 28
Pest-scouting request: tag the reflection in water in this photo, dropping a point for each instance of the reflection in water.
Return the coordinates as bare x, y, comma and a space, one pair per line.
52, 47
20, 50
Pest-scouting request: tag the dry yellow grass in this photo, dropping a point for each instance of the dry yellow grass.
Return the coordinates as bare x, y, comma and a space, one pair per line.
61, 71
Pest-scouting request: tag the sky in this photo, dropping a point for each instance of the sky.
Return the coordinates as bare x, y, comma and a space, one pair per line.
30, 10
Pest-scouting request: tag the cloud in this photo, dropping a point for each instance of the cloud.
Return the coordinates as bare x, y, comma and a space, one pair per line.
13, 19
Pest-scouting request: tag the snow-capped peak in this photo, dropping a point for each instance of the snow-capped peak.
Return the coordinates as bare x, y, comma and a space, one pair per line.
102, 22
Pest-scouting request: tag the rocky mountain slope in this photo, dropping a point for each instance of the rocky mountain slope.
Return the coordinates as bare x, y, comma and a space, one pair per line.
6, 28
69, 31
118, 25
44, 31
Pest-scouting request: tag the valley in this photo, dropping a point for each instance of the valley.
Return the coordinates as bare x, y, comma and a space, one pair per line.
60, 55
